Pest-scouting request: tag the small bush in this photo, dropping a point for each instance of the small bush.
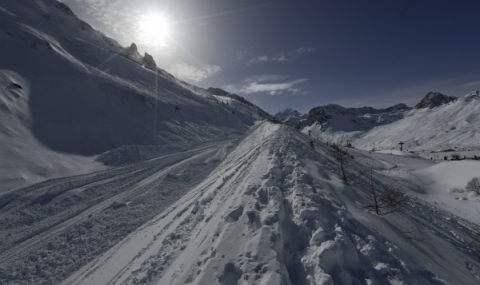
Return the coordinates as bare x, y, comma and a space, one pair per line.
474, 186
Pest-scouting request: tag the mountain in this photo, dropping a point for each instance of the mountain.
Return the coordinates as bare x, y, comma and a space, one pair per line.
291, 117
454, 125
335, 118
115, 172
434, 99
437, 122
68, 92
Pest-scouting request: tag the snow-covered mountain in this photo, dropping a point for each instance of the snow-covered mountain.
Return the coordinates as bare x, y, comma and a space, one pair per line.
198, 186
69, 92
291, 117
453, 125
434, 99
337, 118
438, 122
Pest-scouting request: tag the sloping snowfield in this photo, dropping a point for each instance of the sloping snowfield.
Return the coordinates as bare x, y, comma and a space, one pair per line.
274, 211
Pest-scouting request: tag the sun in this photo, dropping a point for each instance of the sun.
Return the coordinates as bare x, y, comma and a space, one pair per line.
154, 29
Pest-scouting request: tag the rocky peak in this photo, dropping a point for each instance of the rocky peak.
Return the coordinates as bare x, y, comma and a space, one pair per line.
398, 107
434, 99
217, 91
149, 62
132, 53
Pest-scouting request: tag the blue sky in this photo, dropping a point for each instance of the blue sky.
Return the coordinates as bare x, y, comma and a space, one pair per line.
301, 54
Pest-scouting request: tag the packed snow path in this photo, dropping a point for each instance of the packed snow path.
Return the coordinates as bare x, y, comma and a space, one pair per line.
267, 209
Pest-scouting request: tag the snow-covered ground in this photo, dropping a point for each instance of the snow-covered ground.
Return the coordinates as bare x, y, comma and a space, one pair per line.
114, 172
68, 93
267, 209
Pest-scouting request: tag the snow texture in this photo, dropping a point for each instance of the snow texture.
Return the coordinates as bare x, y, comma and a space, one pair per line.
115, 172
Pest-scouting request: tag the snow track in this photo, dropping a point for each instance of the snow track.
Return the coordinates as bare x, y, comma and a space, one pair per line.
275, 212
49, 216
267, 210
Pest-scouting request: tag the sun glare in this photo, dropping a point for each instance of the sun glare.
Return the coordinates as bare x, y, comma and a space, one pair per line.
154, 29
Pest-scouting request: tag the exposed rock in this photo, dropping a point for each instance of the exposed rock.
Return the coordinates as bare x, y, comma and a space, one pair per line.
434, 99
149, 62
64, 8
217, 91
132, 53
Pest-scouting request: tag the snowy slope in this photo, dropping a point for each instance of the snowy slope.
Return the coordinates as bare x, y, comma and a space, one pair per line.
276, 212
445, 127
69, 93
437, 123
197, 191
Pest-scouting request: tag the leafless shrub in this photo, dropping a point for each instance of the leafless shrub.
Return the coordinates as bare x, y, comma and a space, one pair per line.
385, 200
474, 186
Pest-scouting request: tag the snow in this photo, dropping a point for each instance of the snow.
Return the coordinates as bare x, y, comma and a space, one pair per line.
109, 178
448, 126
276, 212
68, 94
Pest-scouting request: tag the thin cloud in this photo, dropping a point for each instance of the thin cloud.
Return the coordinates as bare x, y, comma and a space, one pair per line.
192, 73
268, 84
471, 84
114, 16
282, 57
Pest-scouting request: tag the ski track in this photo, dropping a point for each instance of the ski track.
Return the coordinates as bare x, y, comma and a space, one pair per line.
156, 232
273, 211
145, 176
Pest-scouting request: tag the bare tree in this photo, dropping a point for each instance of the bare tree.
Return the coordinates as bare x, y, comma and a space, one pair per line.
385, 200
342, 155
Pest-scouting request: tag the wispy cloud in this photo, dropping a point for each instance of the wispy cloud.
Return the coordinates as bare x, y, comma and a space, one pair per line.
193, 73
268, 84
471, 84
282, 57
117, 18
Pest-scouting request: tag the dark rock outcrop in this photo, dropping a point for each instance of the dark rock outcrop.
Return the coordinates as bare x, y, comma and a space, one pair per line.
434, 99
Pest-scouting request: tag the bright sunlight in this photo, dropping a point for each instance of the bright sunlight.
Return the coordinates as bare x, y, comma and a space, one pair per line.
154, 29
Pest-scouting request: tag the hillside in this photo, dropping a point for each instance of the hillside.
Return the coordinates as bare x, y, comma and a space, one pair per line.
438, 122
450, 126
69, 93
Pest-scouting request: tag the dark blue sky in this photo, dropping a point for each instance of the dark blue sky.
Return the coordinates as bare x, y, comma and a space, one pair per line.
301, 54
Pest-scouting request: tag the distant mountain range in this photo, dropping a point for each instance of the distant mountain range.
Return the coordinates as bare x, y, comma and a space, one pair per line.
437, 121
